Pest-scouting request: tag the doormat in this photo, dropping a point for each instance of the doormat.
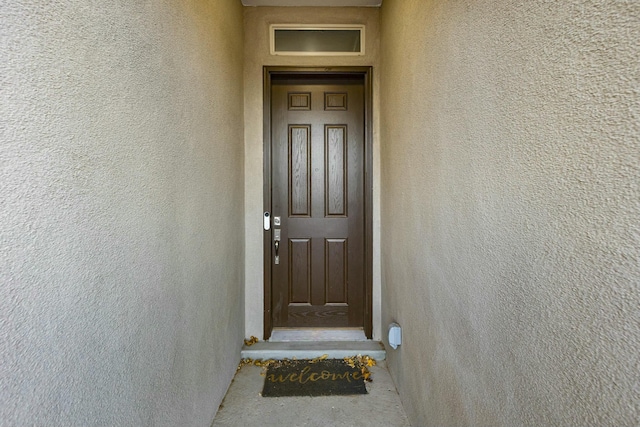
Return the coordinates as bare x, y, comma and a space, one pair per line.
328, 377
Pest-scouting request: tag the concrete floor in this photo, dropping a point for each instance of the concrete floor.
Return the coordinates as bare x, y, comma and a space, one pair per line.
244, 406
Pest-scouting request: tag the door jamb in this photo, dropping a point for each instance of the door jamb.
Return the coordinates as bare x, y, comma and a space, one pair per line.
366, 72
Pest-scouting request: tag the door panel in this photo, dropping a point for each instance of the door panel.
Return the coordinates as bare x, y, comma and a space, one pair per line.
299, 170
318, 190
335, 170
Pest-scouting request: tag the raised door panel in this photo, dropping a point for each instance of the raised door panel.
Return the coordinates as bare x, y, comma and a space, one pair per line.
335, 170
299, 271
299, 170
336, 267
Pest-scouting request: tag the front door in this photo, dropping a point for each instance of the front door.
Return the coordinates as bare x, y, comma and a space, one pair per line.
317, 239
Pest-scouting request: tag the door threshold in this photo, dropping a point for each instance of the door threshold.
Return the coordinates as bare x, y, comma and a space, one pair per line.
317, 334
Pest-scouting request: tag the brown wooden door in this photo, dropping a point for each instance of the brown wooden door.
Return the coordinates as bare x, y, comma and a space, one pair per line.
317, 179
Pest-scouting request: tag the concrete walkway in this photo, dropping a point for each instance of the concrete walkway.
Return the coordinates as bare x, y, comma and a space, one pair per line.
243, 405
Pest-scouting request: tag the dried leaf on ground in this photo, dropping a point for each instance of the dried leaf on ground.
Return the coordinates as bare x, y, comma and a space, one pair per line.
363, 363
251, 341
317, 359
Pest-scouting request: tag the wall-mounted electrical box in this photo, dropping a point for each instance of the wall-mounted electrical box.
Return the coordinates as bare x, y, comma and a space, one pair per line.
395, 335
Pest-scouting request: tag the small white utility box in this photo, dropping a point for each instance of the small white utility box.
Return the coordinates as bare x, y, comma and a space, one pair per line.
395, 335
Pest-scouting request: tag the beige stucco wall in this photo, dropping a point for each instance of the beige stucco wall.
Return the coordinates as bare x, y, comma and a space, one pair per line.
121, 211
257, 21
510, 140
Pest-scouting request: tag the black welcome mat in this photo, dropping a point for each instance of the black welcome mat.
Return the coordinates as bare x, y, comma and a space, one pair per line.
313, 378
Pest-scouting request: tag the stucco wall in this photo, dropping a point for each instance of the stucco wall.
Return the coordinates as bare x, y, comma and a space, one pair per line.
121, 211
257, 21
510, 210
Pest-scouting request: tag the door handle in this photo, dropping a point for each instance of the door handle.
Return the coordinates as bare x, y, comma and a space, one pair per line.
277, 245
276, 259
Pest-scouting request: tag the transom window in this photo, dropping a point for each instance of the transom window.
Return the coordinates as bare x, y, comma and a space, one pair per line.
318, 40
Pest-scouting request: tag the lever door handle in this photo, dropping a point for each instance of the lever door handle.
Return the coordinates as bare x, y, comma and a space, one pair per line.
276, 259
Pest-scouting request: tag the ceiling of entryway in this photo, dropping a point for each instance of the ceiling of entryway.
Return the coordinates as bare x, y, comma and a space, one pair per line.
343, 3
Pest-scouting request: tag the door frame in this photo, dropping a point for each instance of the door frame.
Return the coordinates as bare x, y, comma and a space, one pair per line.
366, 73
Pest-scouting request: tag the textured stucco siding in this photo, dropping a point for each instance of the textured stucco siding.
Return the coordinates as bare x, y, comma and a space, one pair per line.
121, 211
510, 150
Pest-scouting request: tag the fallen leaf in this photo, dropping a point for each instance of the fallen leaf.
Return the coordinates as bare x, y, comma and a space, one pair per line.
251, 341
317, 359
